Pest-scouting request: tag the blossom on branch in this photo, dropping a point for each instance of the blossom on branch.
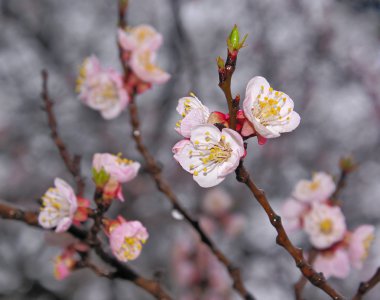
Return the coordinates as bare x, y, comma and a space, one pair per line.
193, 113
140, 45
334, 262
109, 171
101, 90
143, 64
210, 154
126, 238
359, 243
59, 205
325, 225
320, 188
269, 112
136, 37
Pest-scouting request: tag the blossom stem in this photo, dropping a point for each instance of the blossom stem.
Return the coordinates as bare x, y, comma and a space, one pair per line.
225, 77
282, 239
366, 286
121, 270
72, 163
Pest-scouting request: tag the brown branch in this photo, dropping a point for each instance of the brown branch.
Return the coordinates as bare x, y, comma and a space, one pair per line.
366, 286
155, 171
300, 284
121, 270
282, 239
72, 163
225, 77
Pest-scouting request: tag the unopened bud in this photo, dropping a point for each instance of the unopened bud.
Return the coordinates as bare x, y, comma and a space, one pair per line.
233, 41
348, 164
100, 178
220, 62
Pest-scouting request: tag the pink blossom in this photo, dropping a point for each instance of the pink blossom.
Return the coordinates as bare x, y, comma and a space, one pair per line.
270, 112
211, 155
102, 90
119, 168
81, 215
359, 243
319, 188
143, 64
136, 37
193, 113
64, 264
126, 238
325, 225
59, 205
292, 212
333, 263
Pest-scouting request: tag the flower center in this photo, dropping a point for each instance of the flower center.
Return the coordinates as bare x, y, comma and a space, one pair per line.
210, 157
326, 226
314, 185
145, 59
268, 108
367, 244
130, 247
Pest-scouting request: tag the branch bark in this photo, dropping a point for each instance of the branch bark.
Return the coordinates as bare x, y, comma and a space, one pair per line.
282, 239
366, 286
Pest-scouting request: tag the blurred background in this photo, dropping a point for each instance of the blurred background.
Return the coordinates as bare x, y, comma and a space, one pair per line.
325, 54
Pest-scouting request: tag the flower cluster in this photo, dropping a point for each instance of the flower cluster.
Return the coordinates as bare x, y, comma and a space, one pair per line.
126, 238
211, 150
140, 44
311, 210
107, 91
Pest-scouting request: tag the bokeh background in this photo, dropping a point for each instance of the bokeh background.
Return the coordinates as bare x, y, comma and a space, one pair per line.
325, 54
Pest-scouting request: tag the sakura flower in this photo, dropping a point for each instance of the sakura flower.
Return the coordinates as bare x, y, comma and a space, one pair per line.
120, 170
359, 244
193, 113
59, 205
136, 37
126, 238
292, 212
210, 155
270, 112
144, 66
319, 188
333, 263
325, 225
102, 90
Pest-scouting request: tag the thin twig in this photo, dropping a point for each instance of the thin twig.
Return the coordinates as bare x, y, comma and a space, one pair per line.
121, 270
300, 284
366, 286
282, 239
72, 163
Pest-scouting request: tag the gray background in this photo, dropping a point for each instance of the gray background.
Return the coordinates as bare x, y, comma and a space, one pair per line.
325, 54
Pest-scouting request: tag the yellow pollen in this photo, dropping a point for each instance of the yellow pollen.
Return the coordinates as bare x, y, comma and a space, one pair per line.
270, 90
314, 185
326, 226
367, 244
196, 173
196, 142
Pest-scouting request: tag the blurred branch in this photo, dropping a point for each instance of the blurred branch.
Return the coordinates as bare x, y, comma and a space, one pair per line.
300, 284
155, 171
366, 286
122, 270
72, 163
282, 239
